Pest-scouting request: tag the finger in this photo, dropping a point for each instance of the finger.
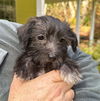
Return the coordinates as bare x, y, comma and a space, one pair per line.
55, 77
47, 79
58, 91
51, 76
57, 97
69, 96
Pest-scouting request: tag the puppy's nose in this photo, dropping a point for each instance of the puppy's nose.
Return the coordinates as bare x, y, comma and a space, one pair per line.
52, 55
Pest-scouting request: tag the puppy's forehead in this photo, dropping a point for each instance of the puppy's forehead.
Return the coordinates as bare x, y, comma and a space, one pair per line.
39, 28
48, 25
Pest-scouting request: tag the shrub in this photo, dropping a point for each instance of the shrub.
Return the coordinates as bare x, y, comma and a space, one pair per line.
94, 51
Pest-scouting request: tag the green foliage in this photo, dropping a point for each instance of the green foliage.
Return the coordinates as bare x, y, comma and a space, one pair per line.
57, 10
7, 9
94, 51
86, 21
99, 68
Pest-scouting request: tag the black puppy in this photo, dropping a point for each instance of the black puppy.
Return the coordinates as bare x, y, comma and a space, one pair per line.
45, 41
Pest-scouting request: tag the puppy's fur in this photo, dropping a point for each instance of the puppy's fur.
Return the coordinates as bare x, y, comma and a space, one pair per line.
45, 41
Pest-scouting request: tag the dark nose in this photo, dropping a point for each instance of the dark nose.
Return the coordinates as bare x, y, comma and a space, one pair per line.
52, 55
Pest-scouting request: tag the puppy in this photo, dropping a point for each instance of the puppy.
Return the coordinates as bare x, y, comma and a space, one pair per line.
45, 41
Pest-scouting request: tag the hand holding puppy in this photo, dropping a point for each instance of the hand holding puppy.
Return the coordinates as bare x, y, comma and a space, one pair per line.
47, 87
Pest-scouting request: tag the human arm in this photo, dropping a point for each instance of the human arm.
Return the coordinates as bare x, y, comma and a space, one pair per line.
8, 42
89, 88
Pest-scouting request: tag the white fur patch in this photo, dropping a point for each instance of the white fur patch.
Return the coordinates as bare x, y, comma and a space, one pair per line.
71, 78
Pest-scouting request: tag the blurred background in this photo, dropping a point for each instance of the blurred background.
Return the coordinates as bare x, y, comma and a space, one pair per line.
82, 15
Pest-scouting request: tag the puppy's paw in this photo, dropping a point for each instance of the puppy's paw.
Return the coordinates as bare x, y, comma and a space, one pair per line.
70, 76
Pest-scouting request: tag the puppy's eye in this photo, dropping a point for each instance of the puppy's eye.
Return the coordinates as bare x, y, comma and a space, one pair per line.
41, 37
62, 40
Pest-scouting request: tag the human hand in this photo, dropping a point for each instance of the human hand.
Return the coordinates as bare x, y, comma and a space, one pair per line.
47, 87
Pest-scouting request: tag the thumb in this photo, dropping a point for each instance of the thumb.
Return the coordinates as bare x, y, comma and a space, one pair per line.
53, 77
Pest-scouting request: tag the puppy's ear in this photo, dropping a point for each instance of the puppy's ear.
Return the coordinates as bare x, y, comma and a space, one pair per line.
72, 38
24, 33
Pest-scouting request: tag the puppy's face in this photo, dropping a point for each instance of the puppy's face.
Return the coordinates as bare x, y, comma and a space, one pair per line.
47, 38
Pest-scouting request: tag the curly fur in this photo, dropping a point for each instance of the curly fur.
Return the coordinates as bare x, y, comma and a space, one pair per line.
45, 41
